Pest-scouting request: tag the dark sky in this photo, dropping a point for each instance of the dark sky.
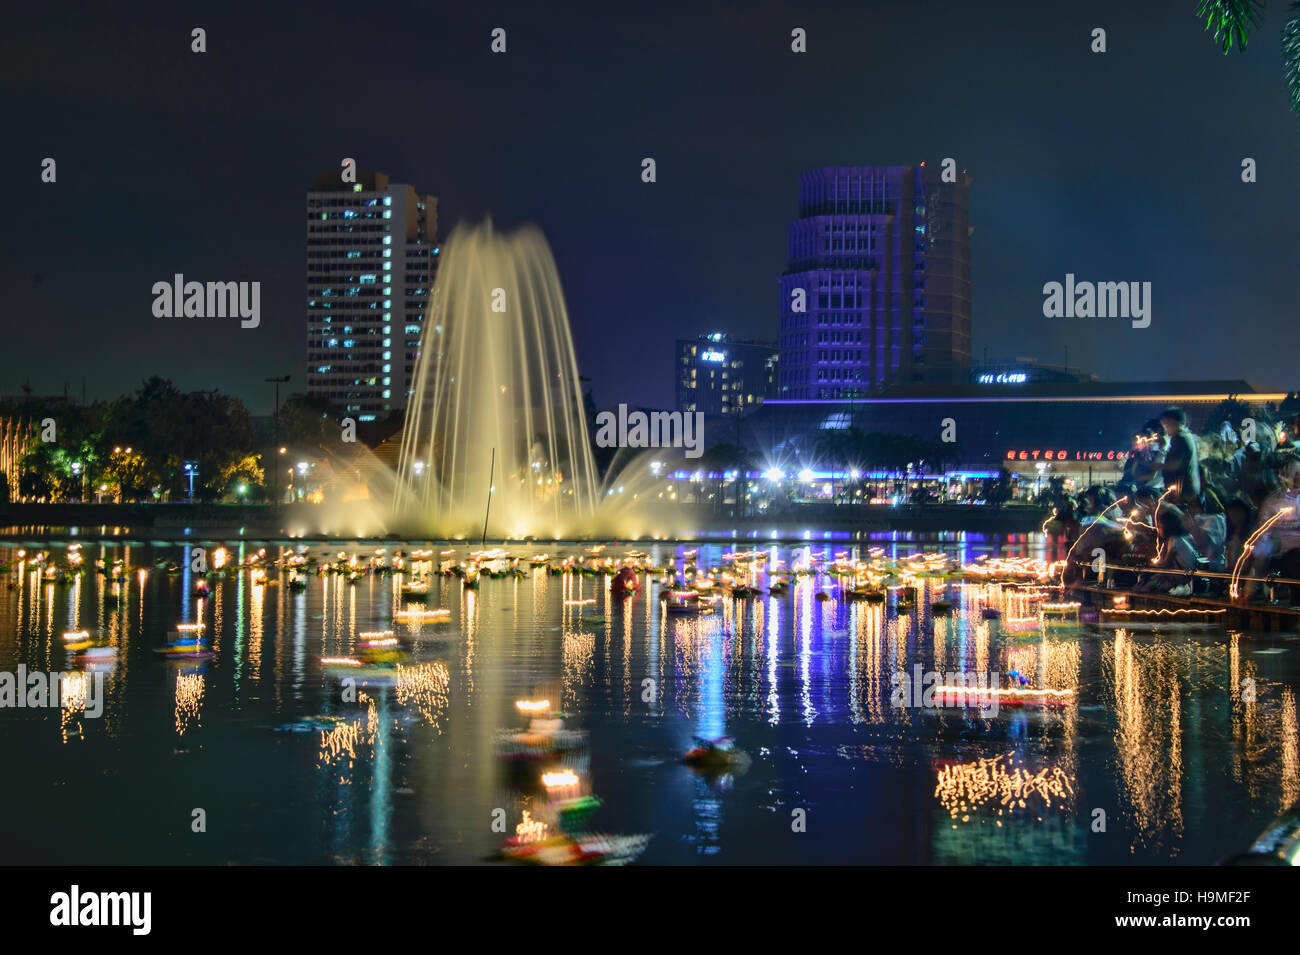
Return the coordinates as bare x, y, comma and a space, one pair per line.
1122, 166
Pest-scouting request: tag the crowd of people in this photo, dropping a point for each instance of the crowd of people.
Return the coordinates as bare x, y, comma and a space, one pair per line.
1177, 519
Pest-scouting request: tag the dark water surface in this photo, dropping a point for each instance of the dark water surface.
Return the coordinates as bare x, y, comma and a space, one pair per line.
1167, 739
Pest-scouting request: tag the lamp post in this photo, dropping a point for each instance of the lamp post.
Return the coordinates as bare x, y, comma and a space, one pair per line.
191, 469
277, 382
204, 419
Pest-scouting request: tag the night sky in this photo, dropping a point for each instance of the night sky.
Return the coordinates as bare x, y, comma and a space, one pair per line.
1117, 166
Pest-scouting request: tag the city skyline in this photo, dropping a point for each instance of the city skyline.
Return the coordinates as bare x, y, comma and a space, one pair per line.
1067, 184
692, 435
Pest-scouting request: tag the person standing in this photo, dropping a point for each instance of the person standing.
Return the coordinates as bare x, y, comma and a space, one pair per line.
1180, 464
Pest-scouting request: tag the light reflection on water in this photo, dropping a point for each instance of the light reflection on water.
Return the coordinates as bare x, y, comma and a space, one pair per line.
1187, 740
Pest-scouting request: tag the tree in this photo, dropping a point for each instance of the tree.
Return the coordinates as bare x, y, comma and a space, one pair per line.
36, 480
1291, 56
942, 454
310, 423
841, 449
1230, 20
998, 492
1233, 411
724, 458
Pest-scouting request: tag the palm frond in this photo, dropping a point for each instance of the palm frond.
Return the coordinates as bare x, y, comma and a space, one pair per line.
1230, 20
1291, 56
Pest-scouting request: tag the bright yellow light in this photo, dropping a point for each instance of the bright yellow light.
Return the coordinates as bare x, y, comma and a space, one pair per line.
565, 777
530, 829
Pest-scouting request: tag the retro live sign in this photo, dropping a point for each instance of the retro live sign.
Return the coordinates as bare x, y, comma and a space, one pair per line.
1041, 455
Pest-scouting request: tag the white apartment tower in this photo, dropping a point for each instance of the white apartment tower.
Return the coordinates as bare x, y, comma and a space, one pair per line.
372, 253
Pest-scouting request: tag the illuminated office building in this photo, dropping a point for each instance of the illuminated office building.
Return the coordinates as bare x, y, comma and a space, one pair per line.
721, 376
877, 291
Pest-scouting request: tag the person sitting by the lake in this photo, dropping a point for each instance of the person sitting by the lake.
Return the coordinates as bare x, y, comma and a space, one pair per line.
1240, 518
1180, 462
1289, 438
1176, 552
1277, 551
1064, 519
1095, 502
1141, 468
1100, 530
1141, 524
1255, 466
1208, 526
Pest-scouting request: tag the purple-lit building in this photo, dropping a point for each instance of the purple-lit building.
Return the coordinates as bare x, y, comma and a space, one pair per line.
878, 287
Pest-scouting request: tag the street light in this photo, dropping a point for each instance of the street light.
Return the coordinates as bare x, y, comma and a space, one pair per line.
277, 382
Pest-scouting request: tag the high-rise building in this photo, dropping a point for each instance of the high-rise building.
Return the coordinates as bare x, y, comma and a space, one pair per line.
372, 253
878, 287
719, 375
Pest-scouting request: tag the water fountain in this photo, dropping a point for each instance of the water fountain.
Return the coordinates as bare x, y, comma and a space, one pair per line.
496, 437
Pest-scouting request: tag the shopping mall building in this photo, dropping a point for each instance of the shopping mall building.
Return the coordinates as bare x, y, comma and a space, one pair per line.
1081, 430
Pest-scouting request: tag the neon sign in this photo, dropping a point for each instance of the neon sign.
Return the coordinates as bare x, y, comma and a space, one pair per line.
714, 356
1040, 454
1006, 378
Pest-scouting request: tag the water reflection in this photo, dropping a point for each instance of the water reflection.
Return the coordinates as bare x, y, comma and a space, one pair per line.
1190, 740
